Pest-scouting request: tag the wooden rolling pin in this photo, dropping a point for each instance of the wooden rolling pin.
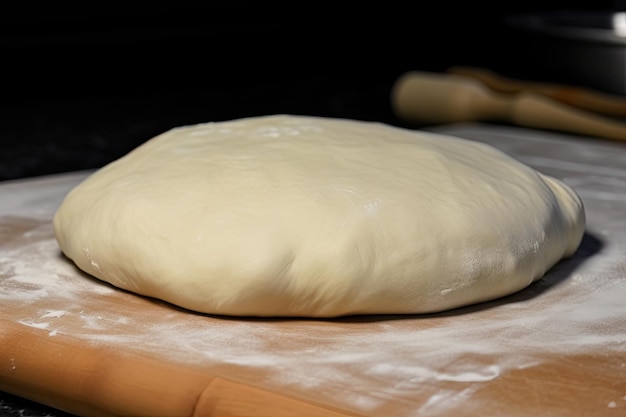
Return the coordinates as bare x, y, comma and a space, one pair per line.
434, 98
612, 105
94, 380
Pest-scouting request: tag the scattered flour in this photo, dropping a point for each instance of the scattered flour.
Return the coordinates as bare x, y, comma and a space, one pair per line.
53, 314
369, 360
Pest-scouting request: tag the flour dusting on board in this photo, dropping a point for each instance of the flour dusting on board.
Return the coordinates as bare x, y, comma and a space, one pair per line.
432, 365
369, 360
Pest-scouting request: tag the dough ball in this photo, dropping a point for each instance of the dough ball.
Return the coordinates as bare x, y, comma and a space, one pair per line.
287, 215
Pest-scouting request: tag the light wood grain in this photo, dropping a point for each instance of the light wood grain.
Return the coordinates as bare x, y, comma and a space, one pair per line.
102, 382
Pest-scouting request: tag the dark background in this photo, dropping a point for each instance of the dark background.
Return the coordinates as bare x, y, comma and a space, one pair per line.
83, 86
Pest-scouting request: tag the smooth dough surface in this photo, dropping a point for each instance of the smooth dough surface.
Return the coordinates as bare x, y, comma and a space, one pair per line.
288, 215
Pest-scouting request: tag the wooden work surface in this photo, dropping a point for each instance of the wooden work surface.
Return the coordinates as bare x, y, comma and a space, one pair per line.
557, 348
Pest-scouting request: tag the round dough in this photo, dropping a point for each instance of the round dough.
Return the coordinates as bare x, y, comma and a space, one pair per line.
289, 215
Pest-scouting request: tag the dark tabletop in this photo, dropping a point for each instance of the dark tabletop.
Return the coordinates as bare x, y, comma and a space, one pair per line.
12, 406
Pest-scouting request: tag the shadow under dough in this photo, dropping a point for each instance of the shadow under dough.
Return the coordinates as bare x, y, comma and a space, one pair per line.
590, 246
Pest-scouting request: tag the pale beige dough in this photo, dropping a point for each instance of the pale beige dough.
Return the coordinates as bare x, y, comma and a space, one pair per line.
289, 215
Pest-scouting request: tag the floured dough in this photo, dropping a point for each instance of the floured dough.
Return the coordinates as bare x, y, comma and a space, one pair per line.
308, 216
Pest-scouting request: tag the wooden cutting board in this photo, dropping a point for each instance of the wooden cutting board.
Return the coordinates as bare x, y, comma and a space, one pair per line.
557, 348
